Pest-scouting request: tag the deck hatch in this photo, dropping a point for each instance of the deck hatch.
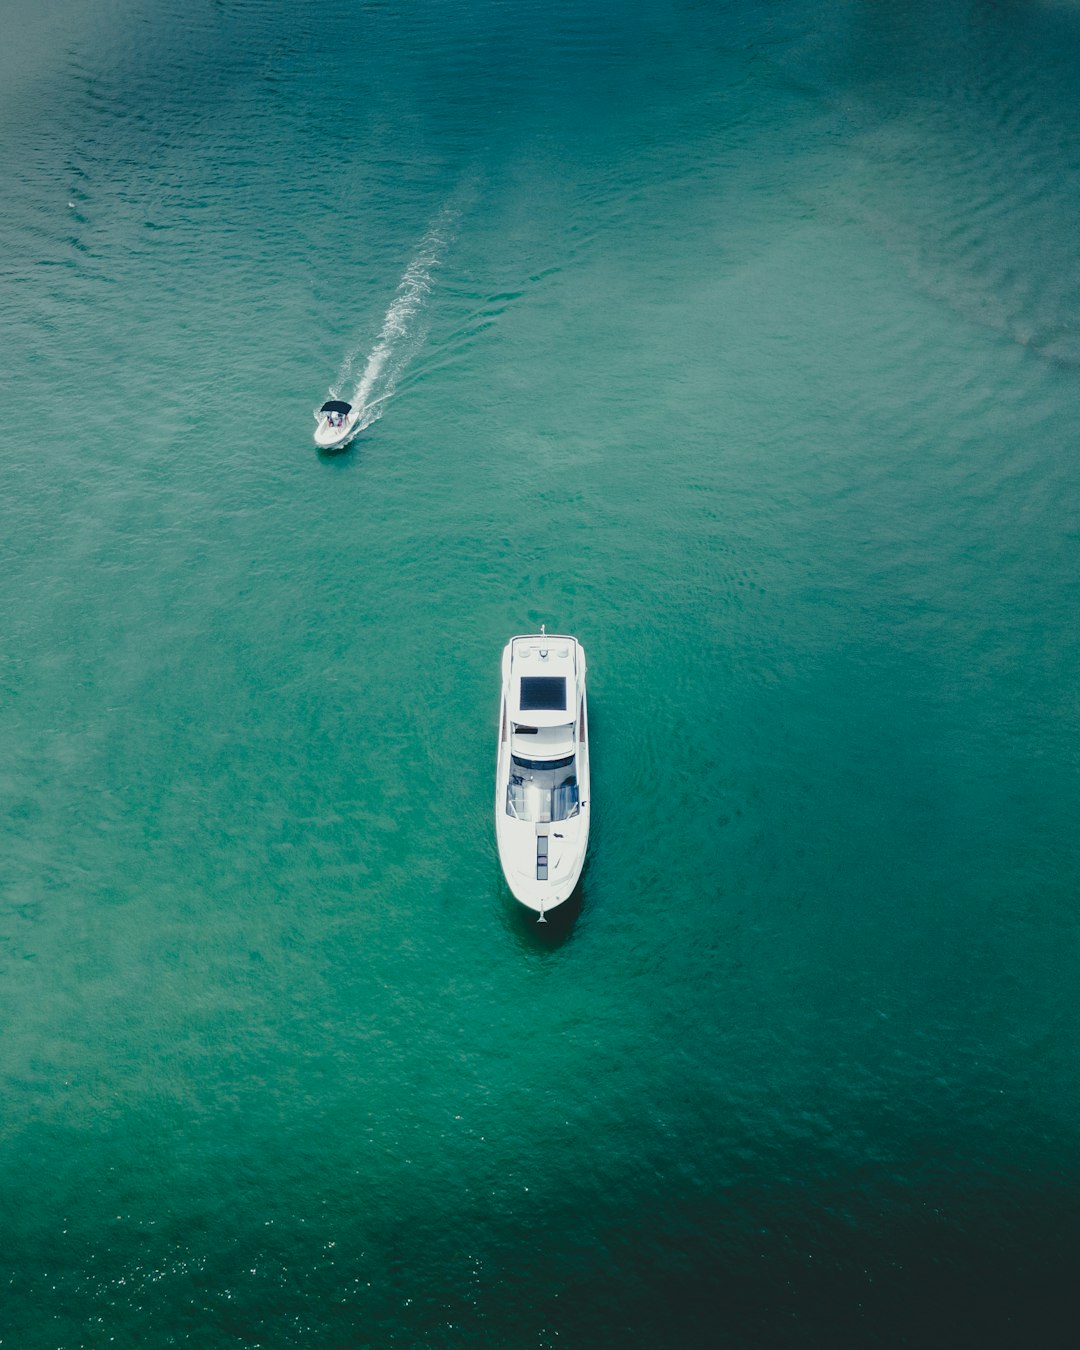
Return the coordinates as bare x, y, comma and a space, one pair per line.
541, 857
546, 692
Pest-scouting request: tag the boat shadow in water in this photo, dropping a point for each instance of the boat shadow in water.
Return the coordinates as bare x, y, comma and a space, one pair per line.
558, 925
346, 453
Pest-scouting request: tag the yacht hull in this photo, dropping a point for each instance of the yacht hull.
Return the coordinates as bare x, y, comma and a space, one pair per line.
542, 783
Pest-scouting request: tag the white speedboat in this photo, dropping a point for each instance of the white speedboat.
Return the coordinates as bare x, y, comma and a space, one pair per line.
542, 781
336, 423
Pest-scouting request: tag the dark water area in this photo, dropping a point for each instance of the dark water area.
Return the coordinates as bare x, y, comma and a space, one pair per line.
741, 341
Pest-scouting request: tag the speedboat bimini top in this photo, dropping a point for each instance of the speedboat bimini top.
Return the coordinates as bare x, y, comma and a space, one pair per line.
542, 780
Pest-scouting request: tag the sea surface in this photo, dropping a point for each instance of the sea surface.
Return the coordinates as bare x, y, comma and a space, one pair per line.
741, 340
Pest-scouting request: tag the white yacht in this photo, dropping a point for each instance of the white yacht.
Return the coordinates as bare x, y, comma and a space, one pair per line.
337, 421
542, 782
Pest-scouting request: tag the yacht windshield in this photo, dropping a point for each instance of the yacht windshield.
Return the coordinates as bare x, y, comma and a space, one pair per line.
542, 790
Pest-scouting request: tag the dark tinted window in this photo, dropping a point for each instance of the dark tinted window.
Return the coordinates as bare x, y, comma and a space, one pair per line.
542, 765
543, 691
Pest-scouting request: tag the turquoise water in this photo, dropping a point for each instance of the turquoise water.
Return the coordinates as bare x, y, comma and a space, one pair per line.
742, 341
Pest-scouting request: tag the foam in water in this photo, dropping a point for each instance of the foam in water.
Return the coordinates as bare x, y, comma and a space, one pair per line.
402, 331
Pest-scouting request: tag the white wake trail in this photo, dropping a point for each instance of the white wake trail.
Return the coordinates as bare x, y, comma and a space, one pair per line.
403, 329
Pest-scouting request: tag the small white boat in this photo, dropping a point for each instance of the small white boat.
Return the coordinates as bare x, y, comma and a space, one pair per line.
542, 780
336, 423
